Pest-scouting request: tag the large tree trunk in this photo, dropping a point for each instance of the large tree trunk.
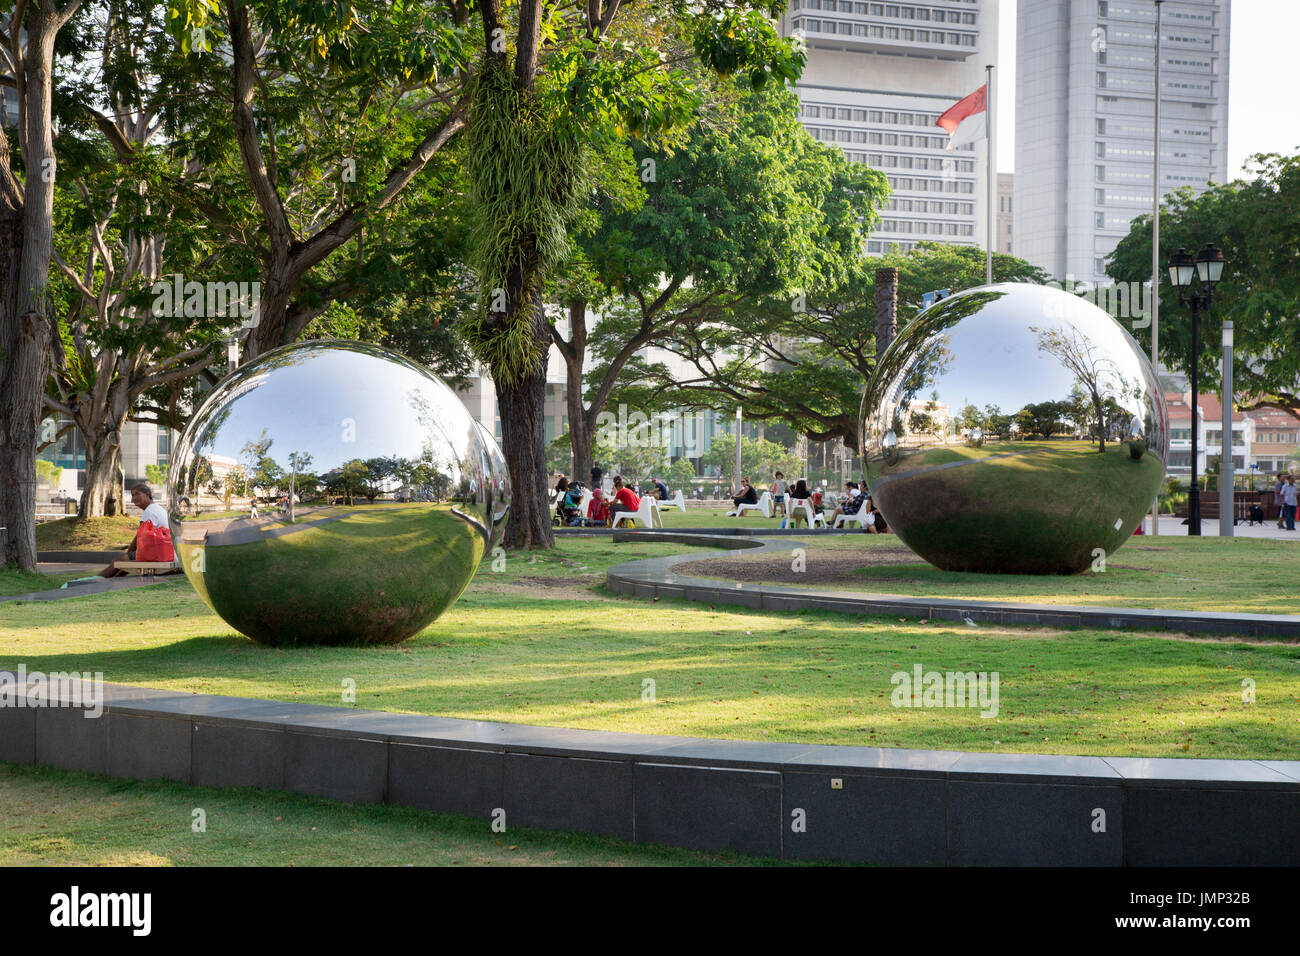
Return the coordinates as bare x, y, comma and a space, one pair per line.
581, 434
523, 440
102, 494
26, 238
19, 385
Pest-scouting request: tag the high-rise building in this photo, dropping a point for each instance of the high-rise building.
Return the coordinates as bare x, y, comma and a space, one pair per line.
1003, 228
1085, 78
877, 79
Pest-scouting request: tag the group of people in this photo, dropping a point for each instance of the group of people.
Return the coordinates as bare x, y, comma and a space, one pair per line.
854, 499
602, 509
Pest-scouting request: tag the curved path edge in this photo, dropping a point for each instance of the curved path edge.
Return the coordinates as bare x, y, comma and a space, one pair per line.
653, 578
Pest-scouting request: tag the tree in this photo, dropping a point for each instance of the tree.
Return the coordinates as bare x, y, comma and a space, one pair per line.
27, 39
681, 474
1255, 222
759, 458
537, 89
1042, 418
806, 367
750, 208
126, 218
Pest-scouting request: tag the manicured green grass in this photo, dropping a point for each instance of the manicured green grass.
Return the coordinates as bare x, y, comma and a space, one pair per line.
540, 642
87, 534
1195, 574
14, 581
57, 818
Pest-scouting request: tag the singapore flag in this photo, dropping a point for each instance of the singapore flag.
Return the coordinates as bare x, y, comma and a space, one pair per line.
964, 121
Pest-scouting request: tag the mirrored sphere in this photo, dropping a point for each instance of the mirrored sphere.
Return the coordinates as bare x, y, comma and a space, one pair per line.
1014, 428
377, 496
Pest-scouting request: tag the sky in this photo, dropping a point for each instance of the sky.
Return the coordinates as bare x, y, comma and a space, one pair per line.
1261, 79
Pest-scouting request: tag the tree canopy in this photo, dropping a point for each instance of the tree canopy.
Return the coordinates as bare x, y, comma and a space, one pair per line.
1256, 222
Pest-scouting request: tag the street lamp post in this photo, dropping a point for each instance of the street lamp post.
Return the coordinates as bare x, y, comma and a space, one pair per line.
1227, 468
739, 424
1208, 265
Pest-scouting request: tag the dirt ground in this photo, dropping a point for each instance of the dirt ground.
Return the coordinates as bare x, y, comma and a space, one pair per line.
820, 567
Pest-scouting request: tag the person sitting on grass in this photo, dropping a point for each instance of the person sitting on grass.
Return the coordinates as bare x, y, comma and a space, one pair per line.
746, 496
598, 509
142, 498
625, 500
661, 489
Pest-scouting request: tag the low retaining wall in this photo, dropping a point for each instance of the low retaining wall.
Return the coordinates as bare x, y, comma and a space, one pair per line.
796, 801
654, 578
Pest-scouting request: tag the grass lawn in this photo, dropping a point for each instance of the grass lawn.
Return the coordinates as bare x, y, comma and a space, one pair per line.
1199, 574
540, 642
13, 581
58, 818
86, 534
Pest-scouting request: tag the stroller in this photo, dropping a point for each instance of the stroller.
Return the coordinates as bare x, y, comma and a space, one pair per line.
566, 510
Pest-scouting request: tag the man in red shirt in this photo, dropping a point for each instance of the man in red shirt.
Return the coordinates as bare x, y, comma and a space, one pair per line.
625, 499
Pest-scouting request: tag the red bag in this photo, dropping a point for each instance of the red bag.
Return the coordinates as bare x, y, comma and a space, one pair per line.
153, 544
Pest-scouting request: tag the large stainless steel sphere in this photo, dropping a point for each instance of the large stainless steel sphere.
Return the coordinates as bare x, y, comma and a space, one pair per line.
1014, 428
377, 496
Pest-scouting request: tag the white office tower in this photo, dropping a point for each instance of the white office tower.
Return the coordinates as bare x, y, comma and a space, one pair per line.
878, 76
1085, 75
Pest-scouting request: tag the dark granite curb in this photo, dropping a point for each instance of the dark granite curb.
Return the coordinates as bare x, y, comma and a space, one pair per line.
653, 578
77, 557
798, 801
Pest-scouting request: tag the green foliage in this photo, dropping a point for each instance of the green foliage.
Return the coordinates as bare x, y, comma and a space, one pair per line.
157, 475
527, 174
681, 475
805, 362
48, 472
760, 459
1255, 222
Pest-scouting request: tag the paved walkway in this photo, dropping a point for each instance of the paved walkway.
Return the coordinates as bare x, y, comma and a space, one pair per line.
1210, 528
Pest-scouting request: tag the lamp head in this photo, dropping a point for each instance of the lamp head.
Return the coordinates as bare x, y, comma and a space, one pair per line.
1181, 266
1209, 264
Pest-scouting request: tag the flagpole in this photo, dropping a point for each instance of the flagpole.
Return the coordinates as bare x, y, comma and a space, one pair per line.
992, 182
1155, 248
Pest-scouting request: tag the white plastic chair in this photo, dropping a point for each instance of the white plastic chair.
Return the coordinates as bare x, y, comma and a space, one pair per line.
863, 518
815, 518
647, 514
764, 505
677, 500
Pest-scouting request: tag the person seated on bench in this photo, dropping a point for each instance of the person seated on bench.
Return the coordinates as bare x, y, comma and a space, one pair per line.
142, 498
850, 504
625, 499
747, 496
661, 490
